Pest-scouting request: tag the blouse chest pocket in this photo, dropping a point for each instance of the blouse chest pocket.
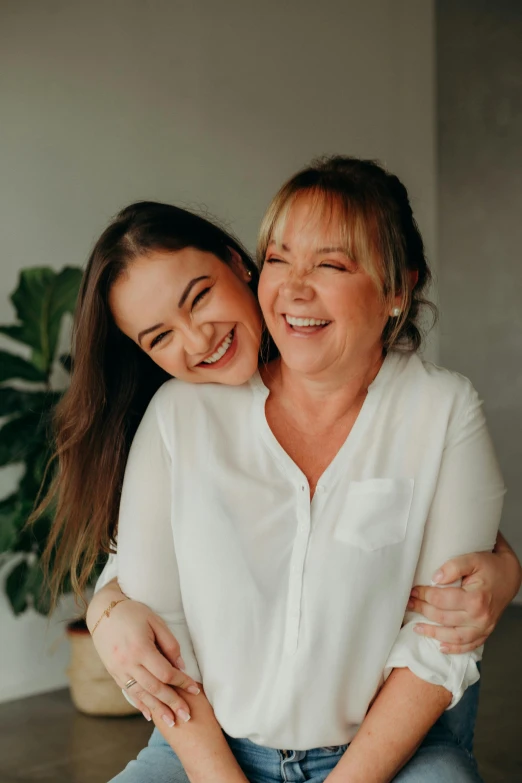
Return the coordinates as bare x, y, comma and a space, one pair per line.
375, 513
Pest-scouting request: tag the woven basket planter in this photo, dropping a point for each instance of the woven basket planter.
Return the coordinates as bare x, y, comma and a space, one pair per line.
93, 690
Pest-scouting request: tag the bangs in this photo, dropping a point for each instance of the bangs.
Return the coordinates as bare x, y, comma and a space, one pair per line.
351, 225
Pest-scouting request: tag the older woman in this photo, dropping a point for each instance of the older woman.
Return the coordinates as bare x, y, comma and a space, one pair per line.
288, 518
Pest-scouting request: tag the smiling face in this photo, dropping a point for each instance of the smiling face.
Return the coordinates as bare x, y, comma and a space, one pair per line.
192, 313
325, 312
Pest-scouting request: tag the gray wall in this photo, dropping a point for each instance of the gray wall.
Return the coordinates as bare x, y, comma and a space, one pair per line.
195, 102
479, 56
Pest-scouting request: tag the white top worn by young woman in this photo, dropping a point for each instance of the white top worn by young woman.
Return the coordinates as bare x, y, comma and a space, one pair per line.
291, 609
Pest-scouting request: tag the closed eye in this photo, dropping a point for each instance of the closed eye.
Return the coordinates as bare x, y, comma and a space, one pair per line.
274, 260
350, 265
197, 299
335, 266
158, 339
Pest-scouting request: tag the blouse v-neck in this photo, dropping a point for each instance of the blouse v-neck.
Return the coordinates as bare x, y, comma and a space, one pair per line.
348, 447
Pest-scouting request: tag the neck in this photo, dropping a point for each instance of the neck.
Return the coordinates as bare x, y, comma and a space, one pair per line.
325, 397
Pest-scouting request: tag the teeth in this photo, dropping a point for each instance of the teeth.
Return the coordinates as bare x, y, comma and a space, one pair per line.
305, 321
221, 351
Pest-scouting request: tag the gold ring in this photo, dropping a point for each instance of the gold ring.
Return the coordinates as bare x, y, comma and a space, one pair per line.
129, 684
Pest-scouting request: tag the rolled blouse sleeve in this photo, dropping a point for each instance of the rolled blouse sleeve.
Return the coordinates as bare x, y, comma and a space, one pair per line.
147, 566
464, 517
110, 572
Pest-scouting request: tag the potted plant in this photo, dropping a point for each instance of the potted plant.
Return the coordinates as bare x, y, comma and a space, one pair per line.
30, 388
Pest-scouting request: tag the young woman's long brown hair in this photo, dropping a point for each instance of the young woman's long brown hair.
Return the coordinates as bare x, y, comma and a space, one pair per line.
112, 383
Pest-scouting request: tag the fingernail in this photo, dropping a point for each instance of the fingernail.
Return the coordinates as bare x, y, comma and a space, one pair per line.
444, 649
193, 689
417, 628
146, 715
168, 720
414, 593
183, 715
438, 576
410, 604
180, 663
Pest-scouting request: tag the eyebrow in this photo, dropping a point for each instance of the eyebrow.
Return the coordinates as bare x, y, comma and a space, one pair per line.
189, 287
182, 300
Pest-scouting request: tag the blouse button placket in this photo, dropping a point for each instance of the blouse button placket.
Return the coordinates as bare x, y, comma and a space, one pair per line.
295, 586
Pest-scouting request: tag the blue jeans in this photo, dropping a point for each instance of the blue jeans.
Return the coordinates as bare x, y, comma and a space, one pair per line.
444, 756
460, 721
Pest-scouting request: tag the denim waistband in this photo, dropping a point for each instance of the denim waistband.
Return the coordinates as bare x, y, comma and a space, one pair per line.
247, 745
262, 764
326, 749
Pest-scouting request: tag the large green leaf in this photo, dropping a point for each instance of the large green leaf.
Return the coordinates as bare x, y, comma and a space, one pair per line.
41, 299
38, 589
13, 518
36, 464
16, 587
8, 526
33, 538
20, 436
19, 401
14, 332
12, 366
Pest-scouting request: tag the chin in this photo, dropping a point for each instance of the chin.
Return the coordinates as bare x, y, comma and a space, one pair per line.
237, 375
243, 373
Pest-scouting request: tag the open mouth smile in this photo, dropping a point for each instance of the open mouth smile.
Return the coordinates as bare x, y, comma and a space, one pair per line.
305, 326
222, 353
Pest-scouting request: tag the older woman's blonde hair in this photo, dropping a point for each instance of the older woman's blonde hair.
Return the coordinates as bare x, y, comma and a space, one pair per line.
378, 231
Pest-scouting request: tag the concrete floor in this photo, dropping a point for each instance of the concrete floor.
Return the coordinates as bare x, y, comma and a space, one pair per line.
44, 739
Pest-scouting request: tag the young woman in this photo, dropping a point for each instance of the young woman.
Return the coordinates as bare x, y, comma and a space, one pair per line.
202, 341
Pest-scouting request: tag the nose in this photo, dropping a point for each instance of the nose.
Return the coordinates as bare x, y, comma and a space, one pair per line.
296, 287
198, 338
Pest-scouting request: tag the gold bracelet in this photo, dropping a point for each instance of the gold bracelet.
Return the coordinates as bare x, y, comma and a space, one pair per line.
106, 612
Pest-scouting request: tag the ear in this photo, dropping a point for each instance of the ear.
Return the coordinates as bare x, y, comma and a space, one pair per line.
238, 266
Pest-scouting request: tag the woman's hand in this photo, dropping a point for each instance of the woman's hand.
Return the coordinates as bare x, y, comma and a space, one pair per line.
201, 746
467, 615
134, 643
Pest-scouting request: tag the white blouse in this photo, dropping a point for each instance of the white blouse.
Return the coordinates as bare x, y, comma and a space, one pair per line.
291, 612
